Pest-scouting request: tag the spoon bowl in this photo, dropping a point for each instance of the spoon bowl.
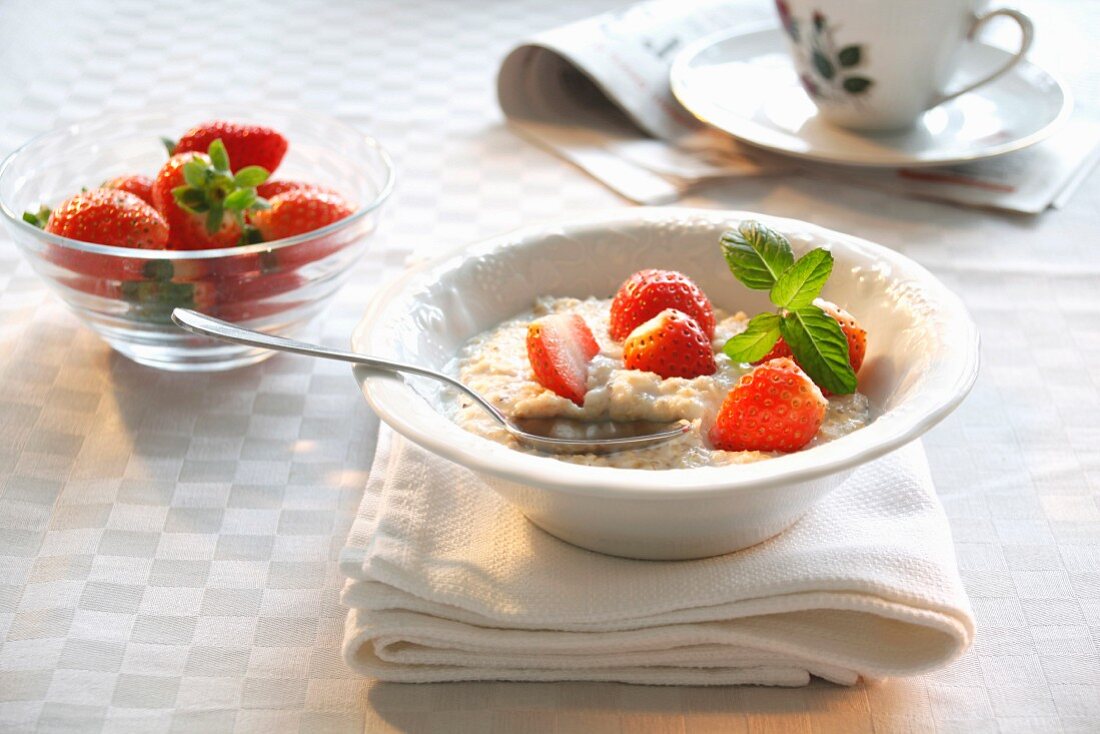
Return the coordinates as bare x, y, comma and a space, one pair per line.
552, 435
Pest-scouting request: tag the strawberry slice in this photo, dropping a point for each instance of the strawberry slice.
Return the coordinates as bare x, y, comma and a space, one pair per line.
856, 334
776, 407
648, 292
670, 344
559, 347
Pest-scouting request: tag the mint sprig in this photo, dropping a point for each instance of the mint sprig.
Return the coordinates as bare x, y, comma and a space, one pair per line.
762, 259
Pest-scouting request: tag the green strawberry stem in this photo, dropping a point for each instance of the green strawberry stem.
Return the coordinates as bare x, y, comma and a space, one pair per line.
213, 190
762, 259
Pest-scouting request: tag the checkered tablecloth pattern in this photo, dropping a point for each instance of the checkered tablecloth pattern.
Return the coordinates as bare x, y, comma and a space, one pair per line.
168, 542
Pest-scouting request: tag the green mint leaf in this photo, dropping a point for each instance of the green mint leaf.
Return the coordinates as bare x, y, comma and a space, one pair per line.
240, 200
756, 341
218, 155
756, 255
801, 283
260, 203
169, 145
250, 176
194, 173
214, 219
820, 348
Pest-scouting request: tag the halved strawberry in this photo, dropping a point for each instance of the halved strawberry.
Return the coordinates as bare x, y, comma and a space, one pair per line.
776, 407
247, 145
648, 292
857, 336
560, 347
299, 211
670, 344
136, 184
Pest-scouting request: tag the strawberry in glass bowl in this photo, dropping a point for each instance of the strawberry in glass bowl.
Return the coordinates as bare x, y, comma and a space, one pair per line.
254, 217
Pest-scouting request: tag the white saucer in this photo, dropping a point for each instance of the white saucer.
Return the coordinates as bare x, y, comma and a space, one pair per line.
743, 83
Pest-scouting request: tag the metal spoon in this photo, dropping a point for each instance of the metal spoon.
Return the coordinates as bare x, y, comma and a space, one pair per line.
553, 435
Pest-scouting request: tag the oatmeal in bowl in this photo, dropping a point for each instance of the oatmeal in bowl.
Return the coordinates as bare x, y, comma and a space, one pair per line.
482, 311
658, 352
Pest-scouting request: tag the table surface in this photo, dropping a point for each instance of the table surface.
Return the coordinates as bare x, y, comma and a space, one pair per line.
168, 542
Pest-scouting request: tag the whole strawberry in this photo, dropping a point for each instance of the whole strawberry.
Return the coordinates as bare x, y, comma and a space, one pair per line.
109, 217
671, 344
776, 407
560, 347
855, 334
648, 292
136, 184
247, 145
203, 202
270, 189
299, 211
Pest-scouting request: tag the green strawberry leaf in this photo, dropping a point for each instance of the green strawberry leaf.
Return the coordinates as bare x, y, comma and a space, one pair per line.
194, 173
190, 199
756, 341
850, 56
756, 255
801, 283
250, 176
38, 218
218, 155
158, 270
240, 200
260, 203
857, 84
169, 145
820, 348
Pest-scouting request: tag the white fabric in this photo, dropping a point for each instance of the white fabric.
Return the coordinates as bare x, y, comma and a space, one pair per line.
449, 582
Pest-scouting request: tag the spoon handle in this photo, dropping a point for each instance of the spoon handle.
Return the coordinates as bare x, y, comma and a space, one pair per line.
198, 323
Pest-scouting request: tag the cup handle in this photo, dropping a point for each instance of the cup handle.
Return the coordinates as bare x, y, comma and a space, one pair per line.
1027, 31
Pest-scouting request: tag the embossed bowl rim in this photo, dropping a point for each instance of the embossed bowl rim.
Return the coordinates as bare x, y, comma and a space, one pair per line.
403, 409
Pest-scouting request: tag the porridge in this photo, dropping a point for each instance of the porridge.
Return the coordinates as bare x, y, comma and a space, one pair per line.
496, 364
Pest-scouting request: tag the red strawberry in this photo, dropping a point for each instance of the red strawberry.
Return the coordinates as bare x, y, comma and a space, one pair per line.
109, 217
247, 145
776, 407
857, 336
648, 292
670, 344
189, 229
137, 184
269, 189
203, 202
559, 347
299, 211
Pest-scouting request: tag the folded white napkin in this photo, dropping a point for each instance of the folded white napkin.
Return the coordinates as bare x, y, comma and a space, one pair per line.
449, 582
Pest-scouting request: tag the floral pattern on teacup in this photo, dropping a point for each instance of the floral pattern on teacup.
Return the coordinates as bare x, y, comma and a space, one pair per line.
827, 73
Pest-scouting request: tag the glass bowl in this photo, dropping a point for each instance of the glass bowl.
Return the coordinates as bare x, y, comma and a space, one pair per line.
127, 295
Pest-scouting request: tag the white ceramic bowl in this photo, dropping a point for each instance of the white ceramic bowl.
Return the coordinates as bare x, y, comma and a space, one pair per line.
922, 360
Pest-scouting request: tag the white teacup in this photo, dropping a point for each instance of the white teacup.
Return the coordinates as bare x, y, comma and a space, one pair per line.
880, 64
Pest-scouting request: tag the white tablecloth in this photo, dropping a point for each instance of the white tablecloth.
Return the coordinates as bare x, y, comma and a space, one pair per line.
168, 542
